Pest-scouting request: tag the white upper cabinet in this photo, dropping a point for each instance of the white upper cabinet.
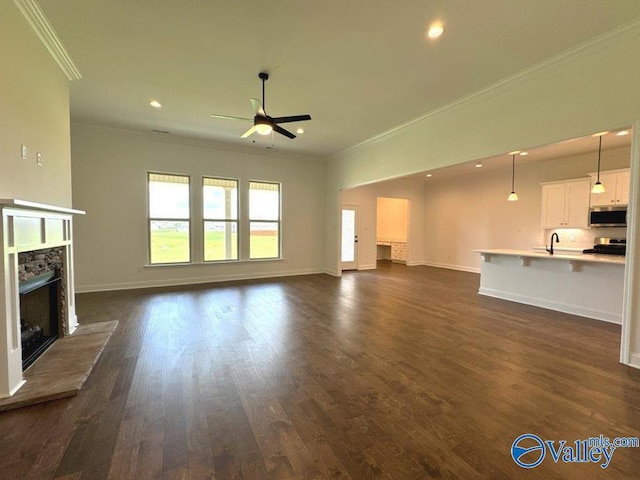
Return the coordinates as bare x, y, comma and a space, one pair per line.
577, 206
553, 205
616, 188
566, 204
622, 187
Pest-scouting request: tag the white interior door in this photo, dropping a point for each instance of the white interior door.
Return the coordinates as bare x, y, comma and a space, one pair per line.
349, 249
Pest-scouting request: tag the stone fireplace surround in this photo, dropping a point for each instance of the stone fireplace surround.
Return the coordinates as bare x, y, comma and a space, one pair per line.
25, 227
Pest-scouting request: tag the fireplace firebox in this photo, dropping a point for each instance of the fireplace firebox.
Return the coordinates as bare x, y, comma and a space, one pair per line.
39, 314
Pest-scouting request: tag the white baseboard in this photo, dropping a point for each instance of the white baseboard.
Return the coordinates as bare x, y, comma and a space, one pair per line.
634, 360
557, 306
191, 281
333, 273
448, 266
367, 267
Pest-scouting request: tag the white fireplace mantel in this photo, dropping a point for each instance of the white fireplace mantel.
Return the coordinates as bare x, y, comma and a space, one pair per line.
24, 204
28, 226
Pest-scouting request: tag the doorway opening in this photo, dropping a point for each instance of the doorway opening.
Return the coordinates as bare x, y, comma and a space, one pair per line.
392, 218
349, 240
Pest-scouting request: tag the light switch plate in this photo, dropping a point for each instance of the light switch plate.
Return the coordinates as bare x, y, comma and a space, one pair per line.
23, 152
39, 159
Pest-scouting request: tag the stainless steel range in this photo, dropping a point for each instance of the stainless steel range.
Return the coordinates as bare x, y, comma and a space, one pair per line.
608, 246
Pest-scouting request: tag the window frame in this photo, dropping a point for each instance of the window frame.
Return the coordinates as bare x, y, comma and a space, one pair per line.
223, 220
278, 222
158, 219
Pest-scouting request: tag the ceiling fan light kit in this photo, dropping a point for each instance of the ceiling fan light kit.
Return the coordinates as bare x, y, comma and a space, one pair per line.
263, 124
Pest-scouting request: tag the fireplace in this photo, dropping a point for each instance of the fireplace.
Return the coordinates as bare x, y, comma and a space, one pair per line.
36, 270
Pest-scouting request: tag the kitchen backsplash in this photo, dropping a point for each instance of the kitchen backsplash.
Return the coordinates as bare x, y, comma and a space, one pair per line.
582, 238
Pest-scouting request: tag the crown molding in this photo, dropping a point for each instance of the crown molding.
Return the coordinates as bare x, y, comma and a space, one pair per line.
38, 21
594, 45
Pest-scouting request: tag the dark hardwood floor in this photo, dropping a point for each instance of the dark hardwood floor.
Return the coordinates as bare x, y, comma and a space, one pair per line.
398, 373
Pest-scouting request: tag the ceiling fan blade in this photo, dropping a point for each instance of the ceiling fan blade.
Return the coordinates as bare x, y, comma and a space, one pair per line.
284, 132
229, 117
291, 118
249, 132
257, 106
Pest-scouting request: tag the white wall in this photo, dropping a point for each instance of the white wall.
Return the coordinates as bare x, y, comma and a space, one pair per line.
109, 182
392, 219
471, 211
34, 111
366, 200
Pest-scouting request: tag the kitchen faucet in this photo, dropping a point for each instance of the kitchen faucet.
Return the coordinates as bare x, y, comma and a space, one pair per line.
550, 250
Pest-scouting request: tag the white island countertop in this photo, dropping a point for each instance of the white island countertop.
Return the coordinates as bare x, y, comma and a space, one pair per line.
577, 257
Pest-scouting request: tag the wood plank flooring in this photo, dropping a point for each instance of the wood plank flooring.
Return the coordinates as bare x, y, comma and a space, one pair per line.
398, 373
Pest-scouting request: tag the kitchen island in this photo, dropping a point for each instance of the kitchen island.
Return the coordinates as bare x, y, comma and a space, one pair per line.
588, 285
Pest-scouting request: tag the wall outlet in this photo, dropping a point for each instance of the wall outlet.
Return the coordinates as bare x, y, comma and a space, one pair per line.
23, 152
572, 238
39, 159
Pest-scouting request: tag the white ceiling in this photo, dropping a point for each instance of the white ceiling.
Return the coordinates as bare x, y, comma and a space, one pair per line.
568, 148
359, 67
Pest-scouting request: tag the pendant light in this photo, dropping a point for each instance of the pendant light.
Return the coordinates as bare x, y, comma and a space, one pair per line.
598, 187
513, 196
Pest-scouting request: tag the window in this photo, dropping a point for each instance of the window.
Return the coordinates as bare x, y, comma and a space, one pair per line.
169, 218
264, 220
220, 214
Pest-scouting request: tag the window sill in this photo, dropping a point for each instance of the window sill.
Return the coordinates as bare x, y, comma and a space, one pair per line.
217, 262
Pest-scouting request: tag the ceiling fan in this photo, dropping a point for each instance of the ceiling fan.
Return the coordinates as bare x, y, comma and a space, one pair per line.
263, 123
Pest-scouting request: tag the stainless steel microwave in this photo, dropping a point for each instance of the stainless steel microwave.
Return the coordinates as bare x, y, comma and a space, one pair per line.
608, 216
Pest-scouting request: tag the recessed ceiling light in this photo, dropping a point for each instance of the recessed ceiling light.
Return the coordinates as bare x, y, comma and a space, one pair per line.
524, 153
429, 175
435, 30
300, 131
155, 104
479, 165
622, 133
600, 134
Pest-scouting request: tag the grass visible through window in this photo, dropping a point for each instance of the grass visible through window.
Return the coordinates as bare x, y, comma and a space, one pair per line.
215, 247
173, 246
169, 246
